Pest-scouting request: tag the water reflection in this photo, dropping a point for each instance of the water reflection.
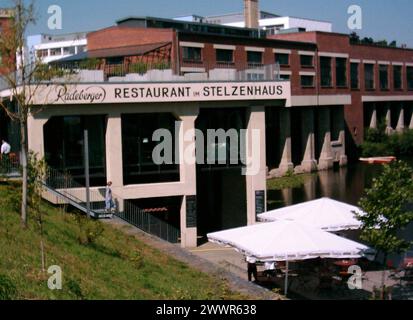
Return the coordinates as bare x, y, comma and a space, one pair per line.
344, 184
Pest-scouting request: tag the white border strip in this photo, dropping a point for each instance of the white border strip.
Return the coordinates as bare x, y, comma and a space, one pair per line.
387, 63
285, 73
255, 49
408, 64
306, 53
307, 73
190, 69
400, 64
334, 55
224, 47
282, 51
386, 98
355, 61
191, 44
365, 61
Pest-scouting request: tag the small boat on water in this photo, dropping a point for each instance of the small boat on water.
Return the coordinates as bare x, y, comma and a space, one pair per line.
378, 160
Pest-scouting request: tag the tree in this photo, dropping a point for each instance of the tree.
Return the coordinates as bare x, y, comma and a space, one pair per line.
388, 211
23, 79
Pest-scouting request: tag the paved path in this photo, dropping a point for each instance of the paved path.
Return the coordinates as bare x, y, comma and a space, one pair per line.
235, 282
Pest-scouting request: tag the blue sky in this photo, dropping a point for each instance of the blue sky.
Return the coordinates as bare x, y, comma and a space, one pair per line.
382, 19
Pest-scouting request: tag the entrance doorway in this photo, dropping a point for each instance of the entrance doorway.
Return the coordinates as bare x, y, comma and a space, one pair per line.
221, 188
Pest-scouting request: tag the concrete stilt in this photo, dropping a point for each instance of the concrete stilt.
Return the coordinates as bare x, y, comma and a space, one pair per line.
400, 123
373, 119
326, 156
286, 163
309, 164
389, 129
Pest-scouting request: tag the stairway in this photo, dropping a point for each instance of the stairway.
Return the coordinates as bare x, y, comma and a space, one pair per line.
61, 188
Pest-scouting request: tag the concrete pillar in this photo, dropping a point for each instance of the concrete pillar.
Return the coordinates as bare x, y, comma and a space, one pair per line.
389, 129
256, 168
411, 121
309, 164
189, 234
326, 156
285, 138
373, 119
400, 123
114, 159
36, 137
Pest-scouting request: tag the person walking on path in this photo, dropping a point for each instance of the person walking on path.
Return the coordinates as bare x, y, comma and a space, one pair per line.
109, 204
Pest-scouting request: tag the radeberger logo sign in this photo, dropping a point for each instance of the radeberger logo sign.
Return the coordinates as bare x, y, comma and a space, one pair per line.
88, 95
163, 92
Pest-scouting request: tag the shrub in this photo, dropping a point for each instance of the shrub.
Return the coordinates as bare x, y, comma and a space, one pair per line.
372, 149
89, 230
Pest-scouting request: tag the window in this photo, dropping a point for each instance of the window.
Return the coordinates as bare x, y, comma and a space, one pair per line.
68, 50
64, 146
56, 51
341, 72
355, 84
307, 81
254, 57
307, 61
384, 77
139, 166
369, 76
284, 77
283, 59
325, 66
397, 77
225, 56
81, 49
192, 54
42, 53
409, 71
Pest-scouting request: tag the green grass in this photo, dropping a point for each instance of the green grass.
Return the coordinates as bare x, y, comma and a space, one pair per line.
114, 266
290, 181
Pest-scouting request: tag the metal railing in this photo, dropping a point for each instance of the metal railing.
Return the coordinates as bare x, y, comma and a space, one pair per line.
10, 166
62, 185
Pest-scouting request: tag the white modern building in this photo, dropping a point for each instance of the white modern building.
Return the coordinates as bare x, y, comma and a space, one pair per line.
269, 22
50, 48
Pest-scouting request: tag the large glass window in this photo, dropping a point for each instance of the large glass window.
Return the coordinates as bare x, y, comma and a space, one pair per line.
307, 61
341, 72
64, 146
225, 56
192, 54
283, 59
139, 166
355, 83
369, 76
384, 77
325, 66
409, 72
254, 57
397, 77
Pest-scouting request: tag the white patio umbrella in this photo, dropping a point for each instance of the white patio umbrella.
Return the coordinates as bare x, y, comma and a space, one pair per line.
325, 213
288, 241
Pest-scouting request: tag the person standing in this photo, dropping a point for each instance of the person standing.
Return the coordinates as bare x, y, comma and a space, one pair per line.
5, 149
5, 157
109, 204
252, 269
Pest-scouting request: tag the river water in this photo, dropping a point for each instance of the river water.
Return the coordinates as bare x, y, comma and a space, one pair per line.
343, 184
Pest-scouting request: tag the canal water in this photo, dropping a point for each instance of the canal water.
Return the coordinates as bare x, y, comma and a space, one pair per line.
342, 184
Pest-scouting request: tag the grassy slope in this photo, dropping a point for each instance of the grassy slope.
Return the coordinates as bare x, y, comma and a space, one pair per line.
116, 266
